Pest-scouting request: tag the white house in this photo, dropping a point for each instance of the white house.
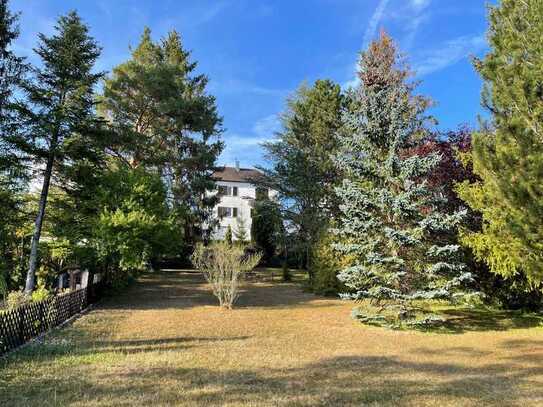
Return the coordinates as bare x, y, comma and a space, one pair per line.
237, 199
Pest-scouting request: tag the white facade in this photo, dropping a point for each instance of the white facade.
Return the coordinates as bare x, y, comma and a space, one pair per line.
237, 199
237, 204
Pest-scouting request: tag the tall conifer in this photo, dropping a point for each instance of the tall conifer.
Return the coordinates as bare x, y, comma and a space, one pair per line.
389, 213
58, 123
168, 122
508, 151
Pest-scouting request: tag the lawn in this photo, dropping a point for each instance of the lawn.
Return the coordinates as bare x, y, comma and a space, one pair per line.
165, 342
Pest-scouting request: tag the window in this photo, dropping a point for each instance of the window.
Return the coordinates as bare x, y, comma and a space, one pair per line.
261, 193
227, 191
225, 212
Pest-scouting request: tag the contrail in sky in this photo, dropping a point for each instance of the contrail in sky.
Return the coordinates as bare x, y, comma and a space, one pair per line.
374, 22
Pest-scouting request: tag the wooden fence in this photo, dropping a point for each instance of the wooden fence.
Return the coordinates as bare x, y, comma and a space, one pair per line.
27, 321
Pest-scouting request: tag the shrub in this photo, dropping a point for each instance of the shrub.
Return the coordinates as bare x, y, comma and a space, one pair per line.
326, 265
16, 299
40, 294
223, 267
228, 236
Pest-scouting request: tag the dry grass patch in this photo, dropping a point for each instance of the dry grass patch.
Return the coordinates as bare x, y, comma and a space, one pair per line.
166, 342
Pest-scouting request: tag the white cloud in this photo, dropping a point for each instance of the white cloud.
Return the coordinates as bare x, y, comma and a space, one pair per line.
413, 19
374, 22
209, 13
267, 126
354, 82
231, 85
420, 4
369, 34
450, 53
247, 148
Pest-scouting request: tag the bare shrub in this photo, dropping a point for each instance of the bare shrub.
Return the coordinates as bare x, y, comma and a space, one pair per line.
224, 266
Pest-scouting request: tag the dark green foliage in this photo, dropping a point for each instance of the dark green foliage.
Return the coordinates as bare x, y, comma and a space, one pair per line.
302, 172
266, 227
13, 171
56, 124
167, 122
228, 236
12, 67
508, 151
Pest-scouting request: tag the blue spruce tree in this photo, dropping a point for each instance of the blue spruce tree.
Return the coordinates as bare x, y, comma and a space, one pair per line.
391, 221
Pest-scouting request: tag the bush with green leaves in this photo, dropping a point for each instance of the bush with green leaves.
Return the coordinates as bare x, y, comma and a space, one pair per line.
224, 266
266, 227
40, 294
16, 299
134, 226
327, 263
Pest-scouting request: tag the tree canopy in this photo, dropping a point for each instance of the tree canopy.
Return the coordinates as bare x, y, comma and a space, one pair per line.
507, 152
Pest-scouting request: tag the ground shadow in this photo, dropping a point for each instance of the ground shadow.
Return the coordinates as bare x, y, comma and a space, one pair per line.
478, 320
183, 289
58, 346
346, 380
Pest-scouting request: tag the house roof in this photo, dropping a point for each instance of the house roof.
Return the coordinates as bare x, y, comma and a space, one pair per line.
233, 174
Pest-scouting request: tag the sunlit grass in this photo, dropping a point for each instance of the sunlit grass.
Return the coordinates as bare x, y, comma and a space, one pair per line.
166, 342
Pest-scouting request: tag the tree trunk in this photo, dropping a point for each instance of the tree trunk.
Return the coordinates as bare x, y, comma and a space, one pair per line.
30, 276
91, 296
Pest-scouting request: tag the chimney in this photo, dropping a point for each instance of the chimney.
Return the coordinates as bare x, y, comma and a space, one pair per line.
237, 165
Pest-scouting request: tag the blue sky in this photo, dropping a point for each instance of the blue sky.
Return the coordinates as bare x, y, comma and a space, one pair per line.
256, 52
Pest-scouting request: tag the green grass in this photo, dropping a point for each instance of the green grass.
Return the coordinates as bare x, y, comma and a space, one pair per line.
165, 342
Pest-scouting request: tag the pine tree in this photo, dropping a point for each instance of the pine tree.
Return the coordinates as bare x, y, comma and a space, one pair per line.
12, 70
303, 173
59, 123
228, 236
240, 233
389, 213
266, 227
13, 171
12, 67
168, 123
508, 151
